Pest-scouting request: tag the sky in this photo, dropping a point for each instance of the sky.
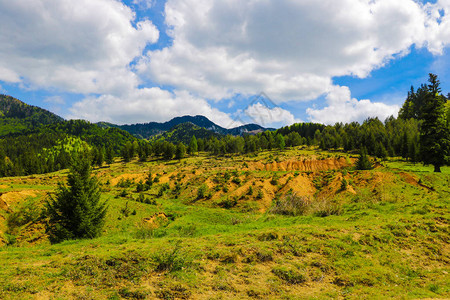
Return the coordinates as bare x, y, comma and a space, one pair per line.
271, 62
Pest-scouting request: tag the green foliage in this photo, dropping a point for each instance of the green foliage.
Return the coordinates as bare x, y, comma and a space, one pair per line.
289, 275
28, 212
171, 260
193, 147
180, 151
76, 210
434, 132
201, 192
363, 162
291, 205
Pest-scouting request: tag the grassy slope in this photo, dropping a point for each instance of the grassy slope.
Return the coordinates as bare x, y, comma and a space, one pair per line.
391, 240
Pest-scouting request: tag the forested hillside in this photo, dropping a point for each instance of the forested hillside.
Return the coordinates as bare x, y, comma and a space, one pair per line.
149, 130
34, 141
16, 116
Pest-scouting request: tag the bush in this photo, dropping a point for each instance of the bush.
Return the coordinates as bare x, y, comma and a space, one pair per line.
170, 261
260, 194
165, 187
28, 212
291, 205
236, 180
325, 207
201, 192
289, 275
140, 187
228, 203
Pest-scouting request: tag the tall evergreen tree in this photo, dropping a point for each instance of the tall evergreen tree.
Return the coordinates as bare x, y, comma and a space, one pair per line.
180, 151
434, 133
193, 147
76, 210
363, 162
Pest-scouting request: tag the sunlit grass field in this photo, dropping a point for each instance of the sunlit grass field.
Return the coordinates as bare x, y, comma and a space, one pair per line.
376, 234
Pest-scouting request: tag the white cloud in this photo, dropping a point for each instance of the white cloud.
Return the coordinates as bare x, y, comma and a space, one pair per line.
289, 49
270, 117
144, 105
55, 100
83, 46
144, 4
343, 108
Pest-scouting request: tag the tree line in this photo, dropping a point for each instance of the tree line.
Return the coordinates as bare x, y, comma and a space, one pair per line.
421, 133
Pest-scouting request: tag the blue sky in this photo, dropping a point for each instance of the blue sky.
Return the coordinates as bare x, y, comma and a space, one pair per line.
141, 60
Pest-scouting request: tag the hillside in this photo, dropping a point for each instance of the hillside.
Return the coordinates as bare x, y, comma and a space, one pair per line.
148, 130
290, 224
34, 141
16, 116
183, 133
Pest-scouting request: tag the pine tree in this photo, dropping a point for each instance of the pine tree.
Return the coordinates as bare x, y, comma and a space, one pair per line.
434, 133
193, 147
109, 156
76, 210
363, 162
279, 140
180, 152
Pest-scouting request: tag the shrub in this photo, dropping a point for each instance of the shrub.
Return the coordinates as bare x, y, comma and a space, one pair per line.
163, 189
201, 192
291, 205
140, 187
289, 275
26, 213
140, 198
344, 184
170, 260
236, 180
325, 207
274, 181
250, 191
260, 194
228, 203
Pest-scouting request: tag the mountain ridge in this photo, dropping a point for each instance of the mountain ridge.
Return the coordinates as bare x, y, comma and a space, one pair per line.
148, 130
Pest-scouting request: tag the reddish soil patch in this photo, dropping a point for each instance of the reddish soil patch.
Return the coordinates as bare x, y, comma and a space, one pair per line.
302, 165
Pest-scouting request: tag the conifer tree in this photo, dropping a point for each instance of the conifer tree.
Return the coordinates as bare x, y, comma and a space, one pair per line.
180, 151
434, 133
363, 162
76, 211
193, 147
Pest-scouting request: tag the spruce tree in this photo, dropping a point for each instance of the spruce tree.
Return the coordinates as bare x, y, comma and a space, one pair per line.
180, 151
363, 162
434, 133
193, 146
76, 211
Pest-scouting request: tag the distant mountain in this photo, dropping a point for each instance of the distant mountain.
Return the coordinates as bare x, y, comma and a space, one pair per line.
34, 140
183, 133
147, 130
17, 116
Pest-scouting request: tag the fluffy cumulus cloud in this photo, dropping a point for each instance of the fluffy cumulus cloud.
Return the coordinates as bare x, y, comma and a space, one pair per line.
270, 117
83, 46
144, 4
144, 105
341, 107
289, 49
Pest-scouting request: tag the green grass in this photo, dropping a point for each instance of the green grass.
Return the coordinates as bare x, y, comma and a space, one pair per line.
390, 240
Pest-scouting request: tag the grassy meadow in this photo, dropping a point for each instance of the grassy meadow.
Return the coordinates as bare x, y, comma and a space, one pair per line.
292, 224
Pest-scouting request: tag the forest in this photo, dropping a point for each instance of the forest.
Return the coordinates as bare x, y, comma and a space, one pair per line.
36, 141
